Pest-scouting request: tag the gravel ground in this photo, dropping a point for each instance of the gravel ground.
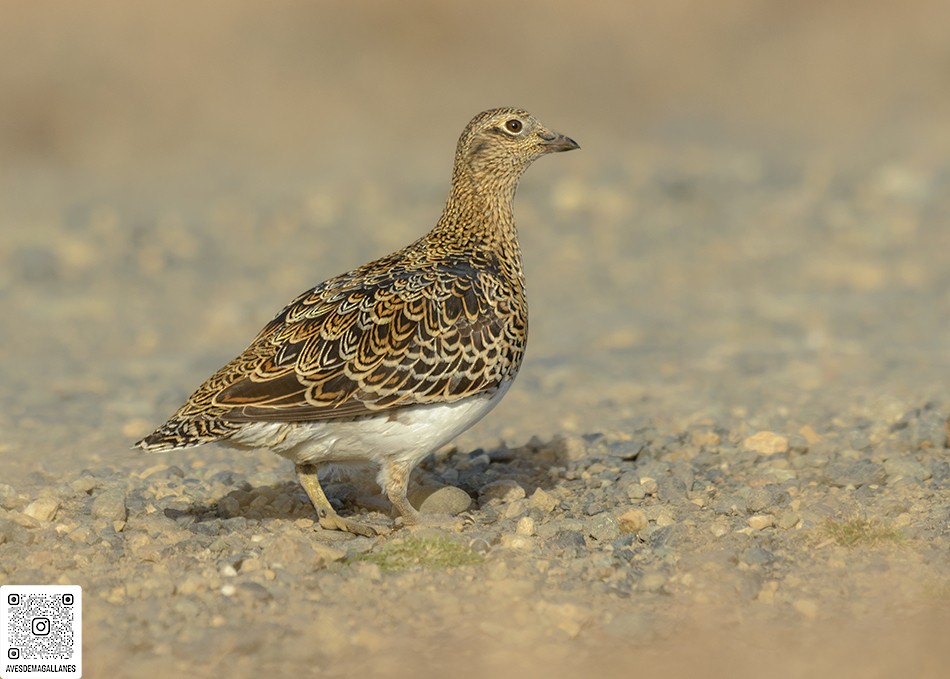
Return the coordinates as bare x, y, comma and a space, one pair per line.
725, 456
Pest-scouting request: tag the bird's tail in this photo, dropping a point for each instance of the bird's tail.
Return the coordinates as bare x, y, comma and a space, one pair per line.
180, 432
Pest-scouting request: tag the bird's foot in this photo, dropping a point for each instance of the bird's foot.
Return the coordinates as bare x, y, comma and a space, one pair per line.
336, 522
329, 519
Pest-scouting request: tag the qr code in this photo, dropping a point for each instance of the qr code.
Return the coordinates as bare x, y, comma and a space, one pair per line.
41, 630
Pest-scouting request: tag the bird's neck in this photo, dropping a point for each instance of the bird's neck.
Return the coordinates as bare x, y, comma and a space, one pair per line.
479, 213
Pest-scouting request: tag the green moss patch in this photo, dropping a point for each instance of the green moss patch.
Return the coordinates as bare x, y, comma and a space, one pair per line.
857, 532
421, 552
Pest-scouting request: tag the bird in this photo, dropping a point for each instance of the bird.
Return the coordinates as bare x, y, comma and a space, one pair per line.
388, 362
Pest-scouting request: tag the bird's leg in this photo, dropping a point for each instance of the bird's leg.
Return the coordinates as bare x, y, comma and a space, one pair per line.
329, 519
397, 484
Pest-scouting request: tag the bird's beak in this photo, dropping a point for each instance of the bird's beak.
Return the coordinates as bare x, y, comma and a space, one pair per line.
552, 142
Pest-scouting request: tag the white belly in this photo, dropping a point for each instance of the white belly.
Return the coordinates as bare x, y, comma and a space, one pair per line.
406, 435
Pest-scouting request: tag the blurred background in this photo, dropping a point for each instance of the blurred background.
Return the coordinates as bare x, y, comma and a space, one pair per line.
759, 195
161, 96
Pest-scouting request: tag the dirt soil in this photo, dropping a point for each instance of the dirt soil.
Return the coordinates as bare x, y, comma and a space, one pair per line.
725, 455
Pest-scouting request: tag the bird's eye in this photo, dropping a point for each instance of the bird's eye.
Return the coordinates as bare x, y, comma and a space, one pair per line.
514, 126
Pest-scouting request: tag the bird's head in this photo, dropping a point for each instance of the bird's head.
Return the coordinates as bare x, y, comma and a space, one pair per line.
503, 142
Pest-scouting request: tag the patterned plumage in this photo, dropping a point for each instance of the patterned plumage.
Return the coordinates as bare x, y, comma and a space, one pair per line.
389, 361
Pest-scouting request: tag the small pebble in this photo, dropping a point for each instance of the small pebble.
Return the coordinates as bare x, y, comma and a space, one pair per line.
604, 527
766, 443
515, 509
756, 556
519, 542
788, 519
42, 509
229, 507
85, 484
254, 590
11, 532
440, 500
901, 468
543, 500
569, 448
251, 565
327, 554
758, 499
110, 504
636, 491
633, 521
8, 496
760, 521
503, 490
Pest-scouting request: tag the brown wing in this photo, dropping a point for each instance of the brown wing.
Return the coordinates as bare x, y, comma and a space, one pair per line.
352, 348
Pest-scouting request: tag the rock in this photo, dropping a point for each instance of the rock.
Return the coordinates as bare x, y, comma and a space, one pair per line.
594, 508
440, 500
570, 540
255, 591
656, 536
526, 526
42, 509
603, 527
649, 485
766, 443
788, 519
759, 521
633, 521
85, 484
905, 468
501, 491
251, 564
327, 554
8, 496
515, 509
11, 532
940, 471
810, 435
476, 459
543, 501
110, 505
517, 542
855, 473
671, 489
756, 556
701, 439
229, 507
569, 448
758, 500
635, 491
